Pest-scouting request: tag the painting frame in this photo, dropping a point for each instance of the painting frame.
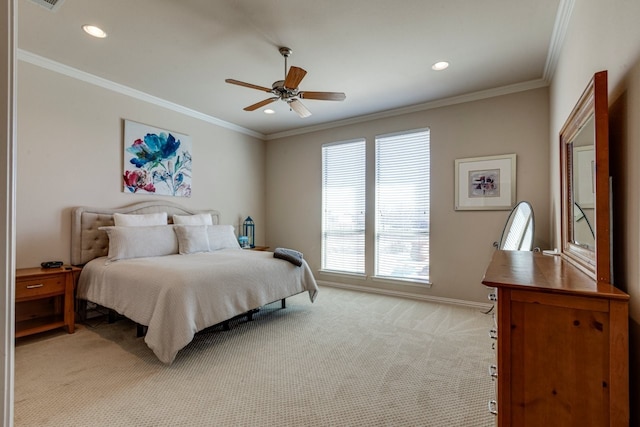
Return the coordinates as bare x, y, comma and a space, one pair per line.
485, 183
156, 161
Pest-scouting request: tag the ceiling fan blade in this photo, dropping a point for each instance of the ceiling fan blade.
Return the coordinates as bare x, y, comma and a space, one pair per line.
249, 85
260, 104
323, 96
294, 77
299, 108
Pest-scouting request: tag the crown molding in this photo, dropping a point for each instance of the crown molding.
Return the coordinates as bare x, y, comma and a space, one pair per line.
66, 70
461, 99
563, 16
565, 7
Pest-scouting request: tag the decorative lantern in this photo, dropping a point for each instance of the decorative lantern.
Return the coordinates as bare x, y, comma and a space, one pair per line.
249, 230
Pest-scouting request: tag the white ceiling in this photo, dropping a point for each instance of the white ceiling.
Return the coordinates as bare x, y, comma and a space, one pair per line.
379, 52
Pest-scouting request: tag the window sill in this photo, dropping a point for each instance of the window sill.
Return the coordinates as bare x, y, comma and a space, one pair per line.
343, 274
379, 279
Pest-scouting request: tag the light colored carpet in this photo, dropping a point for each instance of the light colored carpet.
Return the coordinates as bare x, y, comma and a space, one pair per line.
349, 359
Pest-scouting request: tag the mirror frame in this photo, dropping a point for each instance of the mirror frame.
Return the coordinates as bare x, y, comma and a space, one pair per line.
592, 103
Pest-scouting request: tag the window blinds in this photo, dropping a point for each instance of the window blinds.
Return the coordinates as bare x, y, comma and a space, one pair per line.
402, 169
343, 206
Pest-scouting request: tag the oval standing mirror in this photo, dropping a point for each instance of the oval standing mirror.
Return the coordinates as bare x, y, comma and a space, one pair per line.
584, 156
519, 230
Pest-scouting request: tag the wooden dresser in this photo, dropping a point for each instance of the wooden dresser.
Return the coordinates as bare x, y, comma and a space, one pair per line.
562, 344
45, 299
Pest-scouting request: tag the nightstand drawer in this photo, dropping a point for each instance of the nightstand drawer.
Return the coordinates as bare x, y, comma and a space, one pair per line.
40, 286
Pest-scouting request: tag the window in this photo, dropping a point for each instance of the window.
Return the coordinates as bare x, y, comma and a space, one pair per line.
400, 237
402, 172
343, 206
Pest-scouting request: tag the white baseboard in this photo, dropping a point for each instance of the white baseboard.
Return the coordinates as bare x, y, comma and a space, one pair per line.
442, 300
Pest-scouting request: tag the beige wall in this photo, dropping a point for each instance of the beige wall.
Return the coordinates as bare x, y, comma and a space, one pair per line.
606, 36
70, 153
461, 241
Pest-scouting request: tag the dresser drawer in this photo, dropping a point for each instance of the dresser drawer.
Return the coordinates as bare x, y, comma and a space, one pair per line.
37, 287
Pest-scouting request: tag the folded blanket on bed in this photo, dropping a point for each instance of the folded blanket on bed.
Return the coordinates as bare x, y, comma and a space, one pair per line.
293, 256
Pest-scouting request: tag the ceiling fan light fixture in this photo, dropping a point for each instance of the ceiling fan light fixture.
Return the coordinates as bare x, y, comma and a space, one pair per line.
299, 108
94, 31
439, 66
287, 90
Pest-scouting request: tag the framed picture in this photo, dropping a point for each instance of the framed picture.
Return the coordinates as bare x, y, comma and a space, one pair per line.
584, 165
486, 183
156, 161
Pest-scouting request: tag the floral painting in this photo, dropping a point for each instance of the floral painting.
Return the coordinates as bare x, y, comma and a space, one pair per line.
156, 161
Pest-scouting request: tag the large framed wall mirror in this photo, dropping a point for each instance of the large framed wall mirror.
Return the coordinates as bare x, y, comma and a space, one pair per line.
584, 156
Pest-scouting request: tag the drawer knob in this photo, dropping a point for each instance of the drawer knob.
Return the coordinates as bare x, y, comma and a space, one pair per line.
493, 333
493, 407
39, 285
493, 371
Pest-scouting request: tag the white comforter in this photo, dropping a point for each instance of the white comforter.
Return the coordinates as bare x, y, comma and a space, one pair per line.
179, 295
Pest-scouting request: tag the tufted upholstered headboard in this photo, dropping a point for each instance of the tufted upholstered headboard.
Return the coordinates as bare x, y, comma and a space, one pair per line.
87, 242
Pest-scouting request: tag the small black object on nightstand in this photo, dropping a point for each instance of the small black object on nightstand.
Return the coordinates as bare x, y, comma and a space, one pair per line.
51, 264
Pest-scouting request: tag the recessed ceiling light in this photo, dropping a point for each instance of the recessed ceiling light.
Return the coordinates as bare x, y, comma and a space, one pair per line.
439, 66
269, 111
94, 31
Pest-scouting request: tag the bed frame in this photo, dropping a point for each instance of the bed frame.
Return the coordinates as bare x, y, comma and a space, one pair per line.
88, 242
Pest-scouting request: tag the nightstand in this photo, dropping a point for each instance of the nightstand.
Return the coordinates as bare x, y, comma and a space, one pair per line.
259, 248
44, 299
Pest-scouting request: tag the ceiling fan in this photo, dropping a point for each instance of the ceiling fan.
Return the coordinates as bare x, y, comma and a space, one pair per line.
287, 89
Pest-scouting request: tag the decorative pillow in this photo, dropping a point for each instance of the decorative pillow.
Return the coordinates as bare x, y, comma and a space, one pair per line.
138, 220
197, 219
222, 237
138, 242
192, 238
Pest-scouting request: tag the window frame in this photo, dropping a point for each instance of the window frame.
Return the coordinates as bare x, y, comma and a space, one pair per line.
369, 257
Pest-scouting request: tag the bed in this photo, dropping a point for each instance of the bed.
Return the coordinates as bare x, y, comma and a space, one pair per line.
166, 278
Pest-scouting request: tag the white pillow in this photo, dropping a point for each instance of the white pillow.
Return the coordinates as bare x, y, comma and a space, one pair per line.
125, 220
192, 238
222, 237
138, 242
197, 219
